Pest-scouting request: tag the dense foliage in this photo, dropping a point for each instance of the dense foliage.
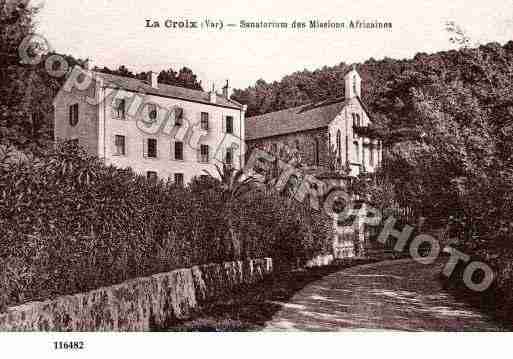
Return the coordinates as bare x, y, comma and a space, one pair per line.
447, 124
68, 224
185, 77
447, 121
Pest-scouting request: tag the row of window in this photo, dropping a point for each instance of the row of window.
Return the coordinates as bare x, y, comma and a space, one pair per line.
150, 150
372, 150
153, 176
177, 177
120, 113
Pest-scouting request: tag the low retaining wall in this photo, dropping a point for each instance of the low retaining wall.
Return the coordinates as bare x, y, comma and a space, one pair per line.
140, 304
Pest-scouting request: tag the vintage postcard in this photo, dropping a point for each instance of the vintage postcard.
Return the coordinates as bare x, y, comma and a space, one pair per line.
254, 166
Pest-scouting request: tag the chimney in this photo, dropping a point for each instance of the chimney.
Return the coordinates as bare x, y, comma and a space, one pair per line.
212, 94
227, 90
153, 79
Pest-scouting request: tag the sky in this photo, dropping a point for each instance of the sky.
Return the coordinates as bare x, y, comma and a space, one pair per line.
113, 32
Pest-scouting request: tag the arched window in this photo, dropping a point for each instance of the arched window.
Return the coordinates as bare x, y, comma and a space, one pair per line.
339, 144
354, 85
356, 152
316, 152
354, 124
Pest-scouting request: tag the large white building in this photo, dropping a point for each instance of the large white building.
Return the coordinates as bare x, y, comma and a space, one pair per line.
158, 130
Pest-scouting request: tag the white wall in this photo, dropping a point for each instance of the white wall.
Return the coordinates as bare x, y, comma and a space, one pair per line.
344, 123
165, 165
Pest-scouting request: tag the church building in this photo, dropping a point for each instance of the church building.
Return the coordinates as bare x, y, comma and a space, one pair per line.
330, 140
327, 134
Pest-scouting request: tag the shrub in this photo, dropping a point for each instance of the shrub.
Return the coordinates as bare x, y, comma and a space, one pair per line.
70, 224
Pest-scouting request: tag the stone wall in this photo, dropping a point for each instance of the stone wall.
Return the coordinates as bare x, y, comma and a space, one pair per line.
312, 145
141, 304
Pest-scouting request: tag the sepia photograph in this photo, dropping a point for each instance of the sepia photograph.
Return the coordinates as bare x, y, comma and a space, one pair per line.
237, 167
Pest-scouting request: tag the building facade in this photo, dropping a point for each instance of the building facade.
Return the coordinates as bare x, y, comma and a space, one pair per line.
158, 130
330, 140
330, 133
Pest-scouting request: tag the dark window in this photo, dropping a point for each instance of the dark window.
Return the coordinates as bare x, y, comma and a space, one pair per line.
204, 121
229, 156
339, 144
316, 152
378, 153
178, 116
152, 111
371, 155
73, 114
178, 150
120, 108
356, 152
179, 179
152, 147
354, 125
120, 145
151, 176
229, 124
204, 153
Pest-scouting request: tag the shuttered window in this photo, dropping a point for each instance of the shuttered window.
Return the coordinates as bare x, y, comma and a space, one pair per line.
179, 179
119, 109
204, 154
73, 114
178, 116
178, 150
229, 124
204, 121
119, 143
229, 156
152, 148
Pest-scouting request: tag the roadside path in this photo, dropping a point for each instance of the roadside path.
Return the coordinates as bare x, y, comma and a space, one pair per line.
398, 295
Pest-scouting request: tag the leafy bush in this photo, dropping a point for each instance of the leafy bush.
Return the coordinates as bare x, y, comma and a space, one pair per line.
69, 224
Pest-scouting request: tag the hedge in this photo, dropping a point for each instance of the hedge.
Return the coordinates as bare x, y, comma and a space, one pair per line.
69, 224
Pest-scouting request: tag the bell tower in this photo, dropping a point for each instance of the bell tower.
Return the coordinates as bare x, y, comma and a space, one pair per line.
353, 84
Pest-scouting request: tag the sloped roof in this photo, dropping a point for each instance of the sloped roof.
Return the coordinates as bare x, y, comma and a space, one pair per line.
136, 85
301, 118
